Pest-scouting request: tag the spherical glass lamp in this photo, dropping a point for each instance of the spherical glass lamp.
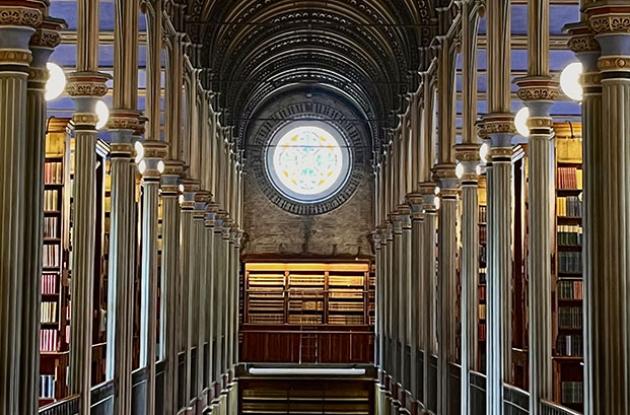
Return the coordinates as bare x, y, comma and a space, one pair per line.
56, 83
102, 112
520, 121
570, 81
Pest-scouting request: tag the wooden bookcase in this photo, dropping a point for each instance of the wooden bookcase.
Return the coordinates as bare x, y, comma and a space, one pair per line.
482, 194
54, 318
567, 287
310, 308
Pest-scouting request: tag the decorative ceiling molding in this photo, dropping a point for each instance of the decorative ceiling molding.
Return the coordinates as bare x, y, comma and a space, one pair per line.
371, 50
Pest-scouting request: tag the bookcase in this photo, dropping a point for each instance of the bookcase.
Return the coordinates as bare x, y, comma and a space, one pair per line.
483, 267
311, 307
567, 289
54, 313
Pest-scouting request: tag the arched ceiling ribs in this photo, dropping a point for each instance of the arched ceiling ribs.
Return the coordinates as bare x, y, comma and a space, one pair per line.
370, 50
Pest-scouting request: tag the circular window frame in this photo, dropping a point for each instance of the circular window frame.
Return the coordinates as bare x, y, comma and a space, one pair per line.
332, 189
306, 111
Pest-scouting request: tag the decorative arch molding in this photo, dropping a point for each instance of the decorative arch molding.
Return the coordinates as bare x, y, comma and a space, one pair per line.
296, 107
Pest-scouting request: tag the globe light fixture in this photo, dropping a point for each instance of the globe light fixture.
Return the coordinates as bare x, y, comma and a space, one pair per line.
436, 202
570, 81
142, 166
459, 170
437, 190
139, 151
102, 112
484, 151
161, 166
56, 83
520, 121
479, 170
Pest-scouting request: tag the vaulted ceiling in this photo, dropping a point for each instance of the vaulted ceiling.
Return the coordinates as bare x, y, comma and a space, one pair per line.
368, 51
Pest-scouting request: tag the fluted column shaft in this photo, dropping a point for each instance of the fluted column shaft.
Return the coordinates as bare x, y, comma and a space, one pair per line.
199, 278
225, 322
397, 261
587, 50
170, 282
14, 71
187, 205
608, 308
468, 154
210, 287
499, 298
120, 283
389, 254
378, 347
428, 289
42, 44
149, 278
219, 298
416, 294
386, 287
405, 296
447, 290
191, 312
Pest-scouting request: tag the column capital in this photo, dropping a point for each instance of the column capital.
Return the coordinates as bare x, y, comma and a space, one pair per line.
468, 156
404, 216
497, 123
202, 197
152, 164
86, 88
428, 191
188, 188
211, 213
449, 183
415, 204
609, 17
45, 39
582, 42
538, 88
170, 181
376, 237
18, 21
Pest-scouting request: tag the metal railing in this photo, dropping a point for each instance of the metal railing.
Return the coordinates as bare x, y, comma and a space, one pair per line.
550, 408
515, 400
68, 406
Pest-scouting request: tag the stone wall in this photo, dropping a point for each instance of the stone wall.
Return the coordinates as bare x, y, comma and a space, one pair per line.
343, 232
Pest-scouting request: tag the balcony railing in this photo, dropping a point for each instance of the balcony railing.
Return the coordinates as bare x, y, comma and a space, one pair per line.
550, 408
68, 406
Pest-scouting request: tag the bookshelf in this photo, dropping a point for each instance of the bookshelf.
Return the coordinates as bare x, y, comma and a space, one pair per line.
567, 289
309, 294
54, 330
308, 312
482, 288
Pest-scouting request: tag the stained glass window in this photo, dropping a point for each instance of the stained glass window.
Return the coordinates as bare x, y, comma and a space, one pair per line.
308, 163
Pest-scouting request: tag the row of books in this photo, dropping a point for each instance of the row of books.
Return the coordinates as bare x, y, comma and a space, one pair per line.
483, 214
306, 305
572, 392
51, 227
569, 235
348, 281
483, 233
51, 200
569, 206
569, 178
47, 386
49, 283
481, 293
570, 262
570, 345
53, 172
48, 312
51, 256
482, 331
345, 320
48, 340
570, 290
483, 255
352, 306
482, 311
570, 317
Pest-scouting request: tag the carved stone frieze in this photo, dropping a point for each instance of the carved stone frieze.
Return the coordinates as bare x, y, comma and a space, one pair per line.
25, 13
87, 84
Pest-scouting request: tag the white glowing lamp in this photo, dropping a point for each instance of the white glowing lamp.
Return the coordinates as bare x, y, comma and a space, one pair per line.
102, 112
437, 190
139, 151
459, 170
436, 201
484, 151
479, 170
161, 166
570, 81
142, 166
520, 121
56, 83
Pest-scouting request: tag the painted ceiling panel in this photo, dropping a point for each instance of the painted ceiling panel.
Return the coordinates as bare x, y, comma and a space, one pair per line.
65, 55
66, 10
560, 15
519, 19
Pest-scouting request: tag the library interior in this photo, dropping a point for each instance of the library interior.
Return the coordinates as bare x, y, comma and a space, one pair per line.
368, 207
